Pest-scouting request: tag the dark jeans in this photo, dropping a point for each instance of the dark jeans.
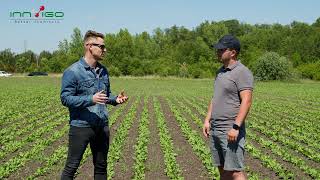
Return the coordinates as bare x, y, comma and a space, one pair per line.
79, 137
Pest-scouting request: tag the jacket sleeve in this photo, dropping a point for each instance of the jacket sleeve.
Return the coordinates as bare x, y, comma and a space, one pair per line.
68, 94
112, 98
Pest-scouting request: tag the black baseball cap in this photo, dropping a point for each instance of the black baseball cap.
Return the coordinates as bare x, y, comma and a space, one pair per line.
228, 41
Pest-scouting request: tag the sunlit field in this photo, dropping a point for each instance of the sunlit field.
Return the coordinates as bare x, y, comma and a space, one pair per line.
157, 134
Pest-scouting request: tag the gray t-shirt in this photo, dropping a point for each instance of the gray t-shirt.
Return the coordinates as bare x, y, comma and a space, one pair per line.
226, 99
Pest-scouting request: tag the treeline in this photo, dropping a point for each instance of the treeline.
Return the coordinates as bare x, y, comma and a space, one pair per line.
178, 51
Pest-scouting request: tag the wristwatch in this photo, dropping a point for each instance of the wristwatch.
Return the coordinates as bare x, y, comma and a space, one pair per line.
236, 127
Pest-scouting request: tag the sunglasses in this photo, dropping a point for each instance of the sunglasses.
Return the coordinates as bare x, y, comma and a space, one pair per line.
221, 50
101, 46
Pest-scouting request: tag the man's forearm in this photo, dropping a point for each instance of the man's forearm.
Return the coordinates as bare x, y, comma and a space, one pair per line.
246, 100
209, 111
244, 109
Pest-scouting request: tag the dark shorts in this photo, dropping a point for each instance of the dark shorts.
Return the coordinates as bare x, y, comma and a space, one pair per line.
228, 155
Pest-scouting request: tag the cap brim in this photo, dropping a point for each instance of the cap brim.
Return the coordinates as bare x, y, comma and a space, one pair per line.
219, 46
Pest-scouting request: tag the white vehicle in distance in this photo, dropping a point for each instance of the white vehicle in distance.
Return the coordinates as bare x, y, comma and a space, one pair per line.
4, 74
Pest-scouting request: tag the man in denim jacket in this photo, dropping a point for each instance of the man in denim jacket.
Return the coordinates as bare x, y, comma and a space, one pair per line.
86, 91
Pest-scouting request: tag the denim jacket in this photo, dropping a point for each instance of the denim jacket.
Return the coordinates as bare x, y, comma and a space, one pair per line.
79, 83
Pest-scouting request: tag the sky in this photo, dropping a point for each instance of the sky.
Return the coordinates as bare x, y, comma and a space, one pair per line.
109, 16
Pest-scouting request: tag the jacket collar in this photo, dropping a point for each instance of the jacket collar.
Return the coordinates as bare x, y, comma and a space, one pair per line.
86, 65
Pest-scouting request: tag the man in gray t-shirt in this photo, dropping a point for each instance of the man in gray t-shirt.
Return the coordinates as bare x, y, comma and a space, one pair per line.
225, 120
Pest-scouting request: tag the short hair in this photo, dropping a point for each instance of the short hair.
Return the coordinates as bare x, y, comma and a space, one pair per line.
92, 34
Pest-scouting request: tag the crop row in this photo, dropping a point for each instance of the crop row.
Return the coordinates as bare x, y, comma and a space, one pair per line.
115, 150
172, 168
141, 147
19, 161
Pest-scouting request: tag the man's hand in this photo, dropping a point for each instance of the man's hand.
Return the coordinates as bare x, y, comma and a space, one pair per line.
233, 135
121, 98
100, 98
206, 128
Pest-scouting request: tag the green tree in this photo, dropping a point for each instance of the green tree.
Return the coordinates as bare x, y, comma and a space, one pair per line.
76, 46
28, 61
311, 71
211, 32
234, 27
43, 59
7, 60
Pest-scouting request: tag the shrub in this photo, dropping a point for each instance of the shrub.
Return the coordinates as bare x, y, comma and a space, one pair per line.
311, 71
271, 66
114, 71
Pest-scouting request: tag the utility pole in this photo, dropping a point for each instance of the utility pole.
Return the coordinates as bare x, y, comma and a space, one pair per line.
25, 45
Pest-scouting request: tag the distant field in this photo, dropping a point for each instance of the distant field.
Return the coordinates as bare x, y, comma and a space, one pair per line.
158, 133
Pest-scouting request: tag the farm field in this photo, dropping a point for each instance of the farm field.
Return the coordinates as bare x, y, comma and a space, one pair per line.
157, 134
